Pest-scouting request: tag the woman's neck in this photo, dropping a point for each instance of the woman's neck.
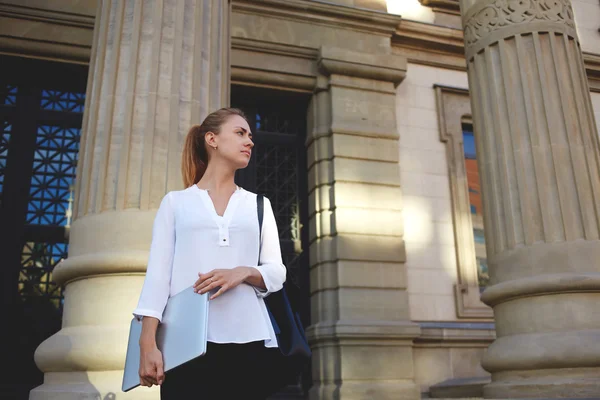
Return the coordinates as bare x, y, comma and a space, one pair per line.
217, 178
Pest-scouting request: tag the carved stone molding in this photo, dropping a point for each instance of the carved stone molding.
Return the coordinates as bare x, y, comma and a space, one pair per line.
382, 67
451, 6
55, 34
509, 18
322, 13
453, 106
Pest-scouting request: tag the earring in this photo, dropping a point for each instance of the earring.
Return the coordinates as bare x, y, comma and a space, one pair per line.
215, 147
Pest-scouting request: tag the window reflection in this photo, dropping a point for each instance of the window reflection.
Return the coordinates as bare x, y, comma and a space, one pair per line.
476, 206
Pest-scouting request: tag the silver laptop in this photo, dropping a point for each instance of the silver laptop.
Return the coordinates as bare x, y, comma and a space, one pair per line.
180, 337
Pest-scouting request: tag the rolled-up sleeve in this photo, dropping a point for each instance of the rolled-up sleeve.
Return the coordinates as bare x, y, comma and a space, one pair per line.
155, 291
270, 263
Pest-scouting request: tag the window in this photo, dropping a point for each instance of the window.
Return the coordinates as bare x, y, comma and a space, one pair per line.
41, 111
454, 110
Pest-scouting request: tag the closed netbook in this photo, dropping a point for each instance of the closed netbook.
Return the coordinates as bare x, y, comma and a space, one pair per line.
181, 336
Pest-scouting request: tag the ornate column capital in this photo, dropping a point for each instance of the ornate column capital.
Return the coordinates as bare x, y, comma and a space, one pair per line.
489, 21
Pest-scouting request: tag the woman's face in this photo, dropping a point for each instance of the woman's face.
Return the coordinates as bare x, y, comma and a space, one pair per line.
234, 142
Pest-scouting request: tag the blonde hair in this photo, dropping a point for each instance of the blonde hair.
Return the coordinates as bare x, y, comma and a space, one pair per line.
194, 158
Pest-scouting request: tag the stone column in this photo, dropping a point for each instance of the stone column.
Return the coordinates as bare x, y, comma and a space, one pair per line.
361, 332
538, 154
157, 67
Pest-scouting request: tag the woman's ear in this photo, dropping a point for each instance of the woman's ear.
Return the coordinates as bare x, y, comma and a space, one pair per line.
211, 139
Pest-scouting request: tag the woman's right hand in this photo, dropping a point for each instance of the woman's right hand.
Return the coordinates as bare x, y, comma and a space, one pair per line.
151, 366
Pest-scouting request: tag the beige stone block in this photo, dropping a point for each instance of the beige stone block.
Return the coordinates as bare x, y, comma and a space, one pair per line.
424, 161
320, 199
320, 149
300, 33
412, 183
388, 305
408, 139
430, 281
372, 275
357, 274
421, 309
367, 221
369, 248
429, 307
422, 118
377, 362
362, 112
366, 148
320, 225
425, 98
363, 195
320, 174
426, 255
324, 306
406, 93
451, 77
430, 139
363, 171
590, 42
421, 138
272, 62
587, 14
442, 210
357, 248
362, 84
466, 363
432, 365
436, 186
421, 75
444, 233
402, 115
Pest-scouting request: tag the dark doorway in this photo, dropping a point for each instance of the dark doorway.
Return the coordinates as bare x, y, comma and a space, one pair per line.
41, 110
278, 169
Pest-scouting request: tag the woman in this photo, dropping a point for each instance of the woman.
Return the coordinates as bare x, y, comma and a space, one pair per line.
207, 236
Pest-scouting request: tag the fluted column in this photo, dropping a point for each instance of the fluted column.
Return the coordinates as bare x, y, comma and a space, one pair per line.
157, 67
538, 155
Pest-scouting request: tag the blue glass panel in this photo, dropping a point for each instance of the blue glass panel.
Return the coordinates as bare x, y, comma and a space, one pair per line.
5, 130
54, 168
469, 145
8, 95
62, 101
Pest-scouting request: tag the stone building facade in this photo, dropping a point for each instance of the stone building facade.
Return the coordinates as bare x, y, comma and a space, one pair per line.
370, 115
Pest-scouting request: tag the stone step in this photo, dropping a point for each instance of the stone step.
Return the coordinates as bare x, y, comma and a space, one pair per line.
459, 388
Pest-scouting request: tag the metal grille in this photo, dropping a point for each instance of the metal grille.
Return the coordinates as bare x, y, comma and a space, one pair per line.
277, 172
62, 101
4, 139
41, 106
8, 95
54, 166
37, 263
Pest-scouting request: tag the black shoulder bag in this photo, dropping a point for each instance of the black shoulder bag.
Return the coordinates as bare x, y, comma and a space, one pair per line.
293, 346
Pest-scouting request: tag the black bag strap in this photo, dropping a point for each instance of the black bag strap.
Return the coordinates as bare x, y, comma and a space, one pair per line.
260, 208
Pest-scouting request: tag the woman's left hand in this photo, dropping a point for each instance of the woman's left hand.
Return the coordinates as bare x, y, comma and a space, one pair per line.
226, 279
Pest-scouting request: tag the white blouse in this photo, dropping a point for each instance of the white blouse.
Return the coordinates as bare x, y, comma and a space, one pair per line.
189, 237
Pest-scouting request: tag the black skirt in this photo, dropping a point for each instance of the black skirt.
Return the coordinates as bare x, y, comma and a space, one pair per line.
226, 371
